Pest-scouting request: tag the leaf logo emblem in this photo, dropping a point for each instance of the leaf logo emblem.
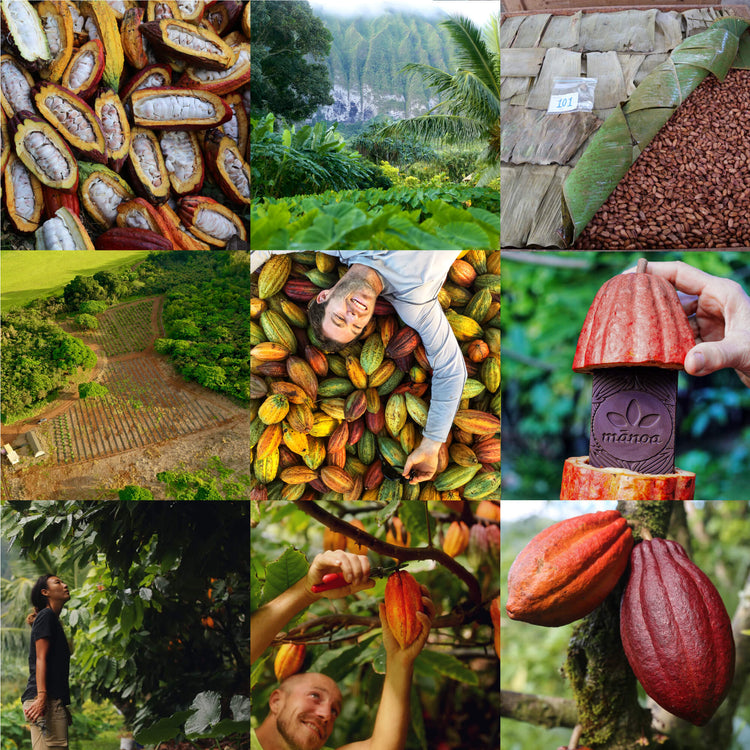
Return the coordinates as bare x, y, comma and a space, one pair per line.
632, 417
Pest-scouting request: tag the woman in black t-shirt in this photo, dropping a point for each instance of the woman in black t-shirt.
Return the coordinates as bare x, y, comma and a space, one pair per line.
47, 693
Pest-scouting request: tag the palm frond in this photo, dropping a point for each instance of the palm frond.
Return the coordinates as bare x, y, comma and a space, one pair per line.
472, 53
433, 77
492, 33
431, 127
475, 99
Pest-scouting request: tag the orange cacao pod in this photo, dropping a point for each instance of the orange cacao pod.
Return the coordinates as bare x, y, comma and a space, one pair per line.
336, 479
567, 570
461, 273
289, 660
676, 632
478, 351
476, 422
333, 539
403, 599
456, 538
397, 534
351, 545
489, 510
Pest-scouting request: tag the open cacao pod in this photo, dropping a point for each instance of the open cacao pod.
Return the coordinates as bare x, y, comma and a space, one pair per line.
676, 632
569, 569
131, 85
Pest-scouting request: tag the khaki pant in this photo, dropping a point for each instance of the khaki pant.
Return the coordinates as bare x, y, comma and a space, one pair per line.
55, 721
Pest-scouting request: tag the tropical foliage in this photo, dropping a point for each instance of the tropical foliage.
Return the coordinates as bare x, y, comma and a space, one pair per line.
306, 160
160, 614
469, 107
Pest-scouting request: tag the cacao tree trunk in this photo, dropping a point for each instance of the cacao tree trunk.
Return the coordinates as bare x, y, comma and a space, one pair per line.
605, 687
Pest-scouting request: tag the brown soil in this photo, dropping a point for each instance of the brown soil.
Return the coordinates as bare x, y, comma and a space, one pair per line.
152, 421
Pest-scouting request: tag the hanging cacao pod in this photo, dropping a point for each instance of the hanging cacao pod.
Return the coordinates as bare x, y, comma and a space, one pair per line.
676, 632
289, 660
569, 569
403, 599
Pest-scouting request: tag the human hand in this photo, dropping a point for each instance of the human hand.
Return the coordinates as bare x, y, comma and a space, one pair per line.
37, 709
392, 648
422, 463
354, 568
720, 319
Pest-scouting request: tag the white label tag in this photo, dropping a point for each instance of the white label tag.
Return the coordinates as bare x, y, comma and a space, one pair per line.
563, 102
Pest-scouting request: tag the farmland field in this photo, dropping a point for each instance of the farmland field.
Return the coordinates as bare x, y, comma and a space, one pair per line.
26, 277
124, 329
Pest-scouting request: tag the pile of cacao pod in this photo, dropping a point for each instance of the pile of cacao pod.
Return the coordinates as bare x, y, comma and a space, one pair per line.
159, 87
341, 425
674, 627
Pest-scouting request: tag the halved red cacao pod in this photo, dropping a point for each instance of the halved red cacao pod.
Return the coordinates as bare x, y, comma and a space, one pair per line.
220, 81
24, 32
183, 41
183, 159
141, 214
58, 27
120, 238
102, 24
227, 166
151, 77
289, 660
676, 632
172, 108
85, 69
222, 16
403, 599
23, 195
101, 192
115, 126
181, 238
210, 221
148, 173
54, 199
44, 152
15, 87
131, 38
64, 231
72, 117
569, 569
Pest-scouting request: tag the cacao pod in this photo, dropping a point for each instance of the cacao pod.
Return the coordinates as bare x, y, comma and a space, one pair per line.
456, 539
403, 599
289, 660
676, 632
569, 569
495, 615
353, 546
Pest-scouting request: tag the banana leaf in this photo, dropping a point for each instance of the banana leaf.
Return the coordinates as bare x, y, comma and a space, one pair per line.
631, 127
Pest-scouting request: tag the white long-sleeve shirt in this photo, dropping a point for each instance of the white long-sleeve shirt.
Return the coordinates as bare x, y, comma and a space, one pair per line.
411, 282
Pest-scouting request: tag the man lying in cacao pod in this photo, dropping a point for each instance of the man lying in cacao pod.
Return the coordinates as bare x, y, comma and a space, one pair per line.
719, 311
303, 709
410, 282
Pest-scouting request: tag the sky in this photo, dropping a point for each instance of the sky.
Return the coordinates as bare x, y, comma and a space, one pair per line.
478, 11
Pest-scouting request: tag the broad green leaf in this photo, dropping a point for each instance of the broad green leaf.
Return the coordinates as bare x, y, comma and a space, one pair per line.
258, 669
448, 666
283, 573
413, 517
163, 730
207, 707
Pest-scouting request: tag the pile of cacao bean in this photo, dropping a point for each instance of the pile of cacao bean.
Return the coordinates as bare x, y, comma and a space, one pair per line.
690, 188
340, 426
157, 89
675, 630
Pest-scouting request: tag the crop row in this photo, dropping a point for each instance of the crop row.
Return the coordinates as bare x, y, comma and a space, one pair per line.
126, 329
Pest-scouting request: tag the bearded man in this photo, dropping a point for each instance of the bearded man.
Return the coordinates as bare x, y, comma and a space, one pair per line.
410, 280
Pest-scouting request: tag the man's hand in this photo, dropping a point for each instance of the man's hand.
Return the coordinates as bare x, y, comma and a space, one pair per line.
720, 311
423, 461
407, 655
354, 568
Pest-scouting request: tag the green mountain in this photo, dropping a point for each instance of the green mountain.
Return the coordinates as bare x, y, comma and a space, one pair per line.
367, 54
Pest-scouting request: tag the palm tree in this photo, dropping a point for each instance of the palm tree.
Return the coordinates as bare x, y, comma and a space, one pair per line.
469, 109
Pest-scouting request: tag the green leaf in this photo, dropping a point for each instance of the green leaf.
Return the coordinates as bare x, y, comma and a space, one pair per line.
163, 730
207, 707
447, 665
283, 573
258, 669
413, 517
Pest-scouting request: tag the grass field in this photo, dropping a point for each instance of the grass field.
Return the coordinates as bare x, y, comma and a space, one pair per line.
25, 276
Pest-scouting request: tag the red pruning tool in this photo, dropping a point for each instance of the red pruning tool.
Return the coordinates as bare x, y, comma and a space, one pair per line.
336, 580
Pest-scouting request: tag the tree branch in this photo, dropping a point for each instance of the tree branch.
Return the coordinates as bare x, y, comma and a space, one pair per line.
544, 710
390, 550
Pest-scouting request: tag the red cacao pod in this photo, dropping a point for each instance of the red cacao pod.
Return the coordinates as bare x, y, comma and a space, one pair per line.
495, 615
676, 632
403, 599
289, 660
568, 570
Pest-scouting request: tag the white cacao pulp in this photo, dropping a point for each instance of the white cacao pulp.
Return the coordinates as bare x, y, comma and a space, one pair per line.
23, 191
215, 224
46, 155
137, 220
82, 70
179, 158
16, 88
236, 173
147, 159
112, 127
193, 42
52, 30
57, 236
106, 198
217, 75
173, 107
71, 118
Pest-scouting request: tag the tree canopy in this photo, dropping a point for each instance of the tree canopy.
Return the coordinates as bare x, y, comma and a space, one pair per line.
290, 44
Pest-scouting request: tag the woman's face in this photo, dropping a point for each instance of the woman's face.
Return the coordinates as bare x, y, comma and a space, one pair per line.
56, 590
